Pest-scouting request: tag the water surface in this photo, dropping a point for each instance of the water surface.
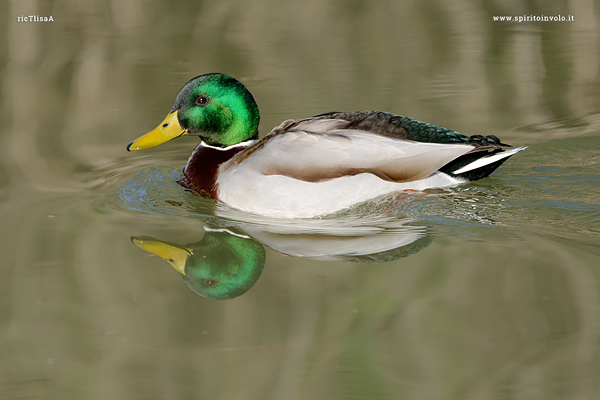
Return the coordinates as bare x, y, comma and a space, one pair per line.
488, 290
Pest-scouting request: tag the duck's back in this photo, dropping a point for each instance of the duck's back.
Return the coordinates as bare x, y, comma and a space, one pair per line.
398, 126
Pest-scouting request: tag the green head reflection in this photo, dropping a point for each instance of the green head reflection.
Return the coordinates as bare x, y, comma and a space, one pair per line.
221, 266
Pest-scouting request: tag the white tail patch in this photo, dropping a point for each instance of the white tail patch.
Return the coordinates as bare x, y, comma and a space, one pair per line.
483, 161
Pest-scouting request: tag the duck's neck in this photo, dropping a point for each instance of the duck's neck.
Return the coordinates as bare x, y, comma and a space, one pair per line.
203, 166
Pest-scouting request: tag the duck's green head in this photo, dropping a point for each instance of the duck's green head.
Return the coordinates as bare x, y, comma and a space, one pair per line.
221, 266
216, 107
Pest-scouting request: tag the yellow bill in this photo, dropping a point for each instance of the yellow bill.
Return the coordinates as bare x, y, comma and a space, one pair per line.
174, 254
167, 130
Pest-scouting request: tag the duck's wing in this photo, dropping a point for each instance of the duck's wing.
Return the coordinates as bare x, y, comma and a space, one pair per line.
393, 147
319, 149
398, 126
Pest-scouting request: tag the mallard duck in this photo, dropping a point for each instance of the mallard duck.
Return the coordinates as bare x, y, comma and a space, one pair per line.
317, 165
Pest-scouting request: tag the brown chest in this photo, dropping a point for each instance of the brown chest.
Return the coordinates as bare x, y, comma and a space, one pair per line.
202, 168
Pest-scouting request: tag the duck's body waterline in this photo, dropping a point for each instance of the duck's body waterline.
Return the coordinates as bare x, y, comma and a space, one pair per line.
317, 165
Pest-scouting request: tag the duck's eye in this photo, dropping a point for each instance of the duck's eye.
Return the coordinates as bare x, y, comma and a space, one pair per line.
210, 282
201, 100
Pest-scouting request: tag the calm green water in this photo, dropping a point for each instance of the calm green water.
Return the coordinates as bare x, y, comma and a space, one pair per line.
490, 290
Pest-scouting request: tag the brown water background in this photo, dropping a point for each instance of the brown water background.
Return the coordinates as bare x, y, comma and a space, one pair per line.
503, 304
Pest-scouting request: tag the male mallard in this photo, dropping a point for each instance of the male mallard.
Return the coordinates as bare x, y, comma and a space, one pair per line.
316, 165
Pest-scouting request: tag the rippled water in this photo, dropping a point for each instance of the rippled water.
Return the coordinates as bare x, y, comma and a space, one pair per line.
487, 290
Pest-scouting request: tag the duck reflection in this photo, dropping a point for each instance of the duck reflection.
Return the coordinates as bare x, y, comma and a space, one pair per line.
221, 266
227, 263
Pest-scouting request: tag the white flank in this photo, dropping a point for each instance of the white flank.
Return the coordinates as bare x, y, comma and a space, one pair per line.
285, 197
265, 183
